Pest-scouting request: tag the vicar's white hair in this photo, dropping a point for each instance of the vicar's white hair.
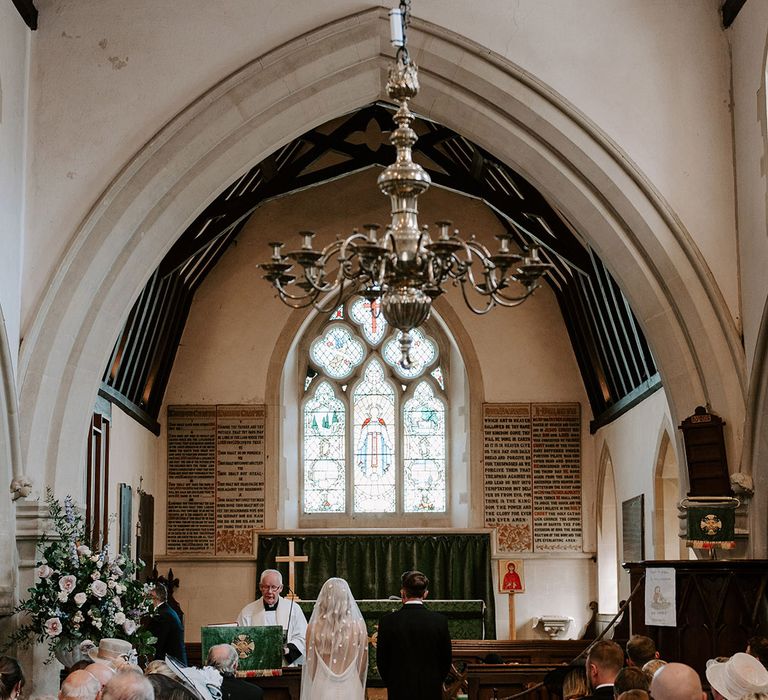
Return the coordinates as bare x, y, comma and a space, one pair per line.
266, 572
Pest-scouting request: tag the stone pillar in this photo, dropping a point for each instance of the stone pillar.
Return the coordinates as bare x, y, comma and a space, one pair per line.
31, 522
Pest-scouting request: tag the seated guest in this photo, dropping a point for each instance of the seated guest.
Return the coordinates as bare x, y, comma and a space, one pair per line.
758, 647
736, 677
650, 668
101, 672
79, 685
11, 678
167, 688
166, 626
630, 678
575, 684
633, 694
224, 658
640, 650
160, 668
677, 682
271, 609
112, 652
128, 685
604, 661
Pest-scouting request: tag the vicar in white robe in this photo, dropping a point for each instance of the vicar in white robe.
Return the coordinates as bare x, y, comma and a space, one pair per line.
271, 609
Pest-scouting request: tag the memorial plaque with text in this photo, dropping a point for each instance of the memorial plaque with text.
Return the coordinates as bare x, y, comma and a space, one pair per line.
556, 457
532, 476
191, 479
507, 474
216, 472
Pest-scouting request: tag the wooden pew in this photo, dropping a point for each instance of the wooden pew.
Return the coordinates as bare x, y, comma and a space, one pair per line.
486, 681
550, 652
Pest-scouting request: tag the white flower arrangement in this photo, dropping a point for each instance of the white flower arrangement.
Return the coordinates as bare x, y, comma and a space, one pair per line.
73, 600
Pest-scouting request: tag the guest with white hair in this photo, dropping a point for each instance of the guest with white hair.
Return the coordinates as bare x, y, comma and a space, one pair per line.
224, 658
128, 685
103, 673
79, 685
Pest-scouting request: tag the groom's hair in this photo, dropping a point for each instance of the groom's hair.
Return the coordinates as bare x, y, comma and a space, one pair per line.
414, 583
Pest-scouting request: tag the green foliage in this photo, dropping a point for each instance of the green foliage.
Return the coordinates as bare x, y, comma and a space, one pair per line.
81, 594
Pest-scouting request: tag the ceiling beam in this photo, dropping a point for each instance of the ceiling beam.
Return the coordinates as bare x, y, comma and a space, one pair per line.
28, 12
729, 9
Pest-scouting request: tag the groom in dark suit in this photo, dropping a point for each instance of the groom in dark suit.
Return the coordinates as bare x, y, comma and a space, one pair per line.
413, 649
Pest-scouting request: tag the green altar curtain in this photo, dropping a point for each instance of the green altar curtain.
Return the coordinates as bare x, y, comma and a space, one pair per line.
458, 566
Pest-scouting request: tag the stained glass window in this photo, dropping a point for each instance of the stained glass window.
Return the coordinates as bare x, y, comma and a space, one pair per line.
423, 354
423, 452
373, 410
367, 314
374, 435
324, 463
337, 352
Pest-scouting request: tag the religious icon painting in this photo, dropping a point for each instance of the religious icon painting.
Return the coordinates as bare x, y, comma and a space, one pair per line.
511, 578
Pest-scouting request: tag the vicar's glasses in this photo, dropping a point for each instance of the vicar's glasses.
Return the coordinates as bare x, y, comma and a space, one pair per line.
263, 587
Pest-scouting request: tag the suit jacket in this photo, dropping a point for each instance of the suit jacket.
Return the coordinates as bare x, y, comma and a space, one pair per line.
603, 693
413, 653
236, 689
166, 626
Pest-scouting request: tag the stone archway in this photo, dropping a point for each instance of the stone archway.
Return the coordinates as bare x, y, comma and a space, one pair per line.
267, 103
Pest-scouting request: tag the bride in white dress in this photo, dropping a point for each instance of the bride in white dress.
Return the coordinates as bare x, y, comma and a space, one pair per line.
336, 659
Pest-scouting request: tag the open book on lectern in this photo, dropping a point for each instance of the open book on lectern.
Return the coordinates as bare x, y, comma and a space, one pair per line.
257, 647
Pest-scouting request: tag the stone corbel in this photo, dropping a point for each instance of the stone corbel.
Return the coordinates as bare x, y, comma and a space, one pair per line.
21, 487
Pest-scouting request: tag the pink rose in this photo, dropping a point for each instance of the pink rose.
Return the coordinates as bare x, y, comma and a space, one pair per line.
44, 571
80, 598
67, 583
129, 626
99, 588
53, 627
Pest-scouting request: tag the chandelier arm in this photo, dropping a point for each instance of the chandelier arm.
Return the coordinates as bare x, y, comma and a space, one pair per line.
337, 299
479, 311
510, 301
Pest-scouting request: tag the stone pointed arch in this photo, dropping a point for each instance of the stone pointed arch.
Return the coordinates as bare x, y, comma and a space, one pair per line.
666, 495
306, 82
607, 534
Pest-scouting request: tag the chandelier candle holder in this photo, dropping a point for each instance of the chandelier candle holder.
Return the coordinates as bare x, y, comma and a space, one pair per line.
405, 268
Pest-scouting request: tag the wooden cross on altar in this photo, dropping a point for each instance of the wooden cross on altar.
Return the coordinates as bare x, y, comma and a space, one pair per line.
292, 558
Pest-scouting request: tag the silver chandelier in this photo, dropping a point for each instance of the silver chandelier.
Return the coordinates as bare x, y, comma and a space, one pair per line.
404, 269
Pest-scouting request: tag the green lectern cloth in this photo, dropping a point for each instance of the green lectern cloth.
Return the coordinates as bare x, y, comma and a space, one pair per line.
257, 647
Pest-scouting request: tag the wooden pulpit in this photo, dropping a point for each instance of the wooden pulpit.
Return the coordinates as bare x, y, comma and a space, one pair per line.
720, 605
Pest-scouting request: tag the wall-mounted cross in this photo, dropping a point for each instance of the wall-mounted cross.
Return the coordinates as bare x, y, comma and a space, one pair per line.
292, 558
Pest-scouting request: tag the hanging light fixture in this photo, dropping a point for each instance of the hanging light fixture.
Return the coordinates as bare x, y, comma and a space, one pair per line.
402, 271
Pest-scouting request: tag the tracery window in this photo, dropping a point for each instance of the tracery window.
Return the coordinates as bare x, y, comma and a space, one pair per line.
373, 433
